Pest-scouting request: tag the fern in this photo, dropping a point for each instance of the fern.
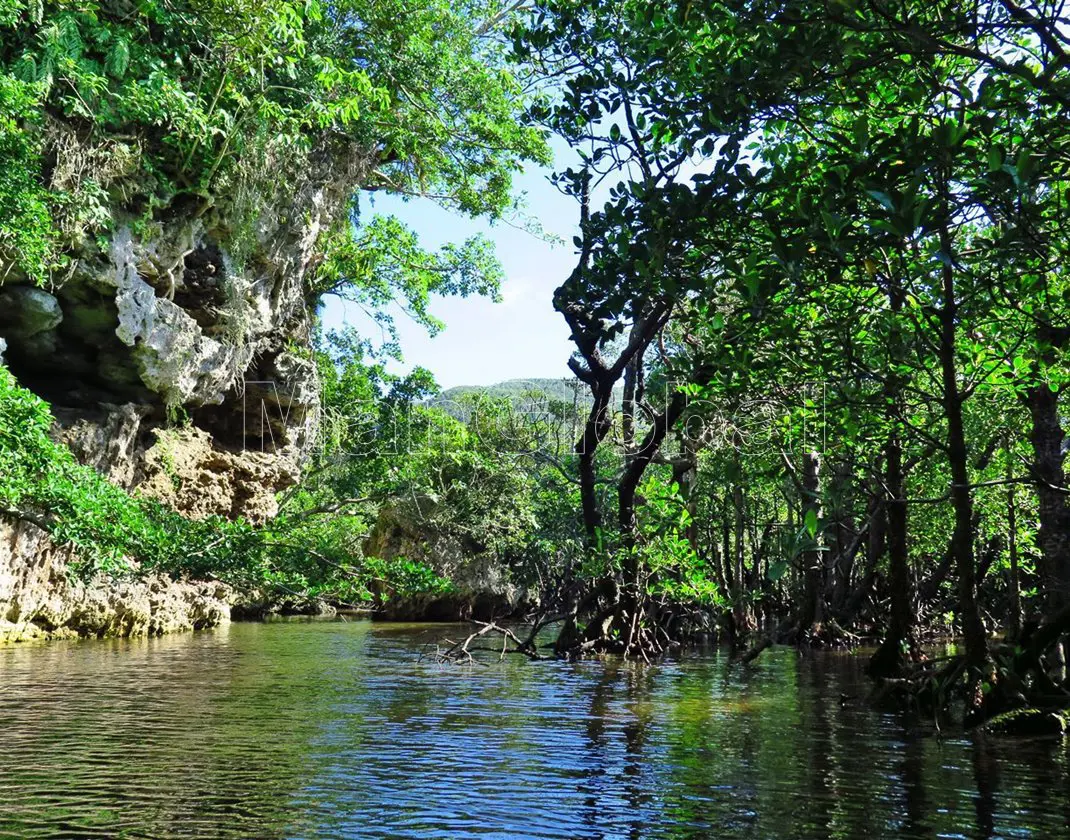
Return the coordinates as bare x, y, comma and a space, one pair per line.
118, 59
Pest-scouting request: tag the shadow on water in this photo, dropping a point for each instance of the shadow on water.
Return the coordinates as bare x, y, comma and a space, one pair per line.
335, 729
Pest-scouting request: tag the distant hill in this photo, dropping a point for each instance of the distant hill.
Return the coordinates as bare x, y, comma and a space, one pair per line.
555, 389
523, 392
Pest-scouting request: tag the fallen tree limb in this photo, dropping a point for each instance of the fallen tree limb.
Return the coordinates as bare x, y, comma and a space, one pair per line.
765, 643
461, 652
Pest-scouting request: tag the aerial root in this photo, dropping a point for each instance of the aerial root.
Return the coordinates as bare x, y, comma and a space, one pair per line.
756, 649
638, 634
827, 634
1015, 677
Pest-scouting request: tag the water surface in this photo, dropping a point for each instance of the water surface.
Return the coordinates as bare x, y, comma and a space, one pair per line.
340, 729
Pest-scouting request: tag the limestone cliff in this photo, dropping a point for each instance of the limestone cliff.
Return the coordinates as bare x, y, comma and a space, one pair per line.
38, 599
482, 585
169, 360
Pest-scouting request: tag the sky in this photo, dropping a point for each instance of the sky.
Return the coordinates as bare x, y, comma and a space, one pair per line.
520, 337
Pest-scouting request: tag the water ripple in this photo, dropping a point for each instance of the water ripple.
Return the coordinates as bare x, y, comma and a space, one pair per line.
338, 730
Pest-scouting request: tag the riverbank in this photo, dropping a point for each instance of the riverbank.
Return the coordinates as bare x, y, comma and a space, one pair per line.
40, 599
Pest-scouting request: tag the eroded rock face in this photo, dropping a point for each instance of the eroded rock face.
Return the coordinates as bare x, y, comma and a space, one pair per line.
174, 356
190, 316
483, 588
38, 600
163, 314
109, 439
182, 469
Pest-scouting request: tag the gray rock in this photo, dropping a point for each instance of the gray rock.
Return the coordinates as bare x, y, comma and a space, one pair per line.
38, 600
26, 311
106, 441
176, 313
482, 585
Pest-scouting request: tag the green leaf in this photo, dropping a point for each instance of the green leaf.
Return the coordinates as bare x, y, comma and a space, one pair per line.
777, 570
883, 198
995, 159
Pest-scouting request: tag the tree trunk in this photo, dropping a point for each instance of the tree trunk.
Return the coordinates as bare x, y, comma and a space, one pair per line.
630, 397
1015, 623
636, 467
899, 643
726, 546
1053, 537
837, 526
594, 432
743, 616
813, 611
961, 497
876, 540
629, 483
632, 602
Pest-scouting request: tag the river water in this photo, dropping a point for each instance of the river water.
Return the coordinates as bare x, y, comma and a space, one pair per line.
339, 729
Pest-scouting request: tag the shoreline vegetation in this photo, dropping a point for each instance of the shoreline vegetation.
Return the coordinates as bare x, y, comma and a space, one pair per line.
820, 313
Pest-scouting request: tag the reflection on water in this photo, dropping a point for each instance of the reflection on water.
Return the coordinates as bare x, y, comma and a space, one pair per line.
334, 729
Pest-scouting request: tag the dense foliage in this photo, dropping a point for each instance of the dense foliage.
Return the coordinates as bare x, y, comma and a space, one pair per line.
114, 108
480, 472
132, 113
115, 533
839, 232
819, 306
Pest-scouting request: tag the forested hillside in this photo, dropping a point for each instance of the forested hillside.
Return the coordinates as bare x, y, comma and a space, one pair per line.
564, 390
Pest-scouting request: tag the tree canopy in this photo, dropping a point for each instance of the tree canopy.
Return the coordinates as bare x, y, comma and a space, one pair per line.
819, 302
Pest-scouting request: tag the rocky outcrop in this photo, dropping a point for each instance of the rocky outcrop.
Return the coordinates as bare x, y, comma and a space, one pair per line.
29, 311
183, 470
107, 439
259, 605
109, 337
39, 600
482, 585
180, 467
167, 351
181, 311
